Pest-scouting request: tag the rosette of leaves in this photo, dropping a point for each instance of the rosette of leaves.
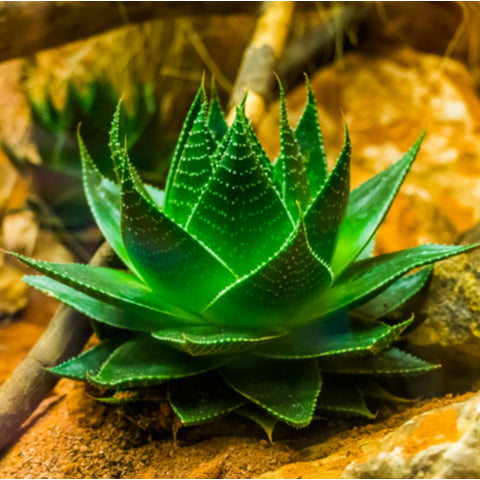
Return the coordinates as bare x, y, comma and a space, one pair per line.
248, 286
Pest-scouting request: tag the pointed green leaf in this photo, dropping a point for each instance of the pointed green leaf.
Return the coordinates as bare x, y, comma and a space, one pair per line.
340, 395
166, 256
371, 389
367, 278
367, 252
272, 293
202, 398
99, 310
367, 208
216, 120
207, 340
157, 195
333, 336
115, 287
326, 212
287, 390
182, 140
240, 215
310, 143
103, 197
145, 394
391, 362
87, 364
144, 361
289, 167
193, 171
266, 421
115, 144
257, 149
394, 296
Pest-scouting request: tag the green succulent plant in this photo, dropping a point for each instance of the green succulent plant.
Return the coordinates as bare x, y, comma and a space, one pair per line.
248, 286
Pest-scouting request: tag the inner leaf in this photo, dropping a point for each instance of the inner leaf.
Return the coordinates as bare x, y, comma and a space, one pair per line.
193, 171
240, 215
290, 168
310, 143
272, 294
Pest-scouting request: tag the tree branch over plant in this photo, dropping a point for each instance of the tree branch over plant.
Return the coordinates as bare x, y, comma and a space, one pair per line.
28, 27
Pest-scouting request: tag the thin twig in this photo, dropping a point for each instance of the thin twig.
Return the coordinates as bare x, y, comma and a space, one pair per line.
30, 383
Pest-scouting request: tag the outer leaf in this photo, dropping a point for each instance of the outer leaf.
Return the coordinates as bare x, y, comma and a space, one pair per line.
153, 240
111, 286
394, 296
99, 310
326, 212
390, 362
216, 120
182, 140
240, 215
290, 169
144, 394
260, 417
193, 171
203, 398
367, 278
271, 294
103, 197
310, 143
340, 395
367, 208
87, 364
207, 340
371, 389
333, 336
287, 390
367, 252
145, 361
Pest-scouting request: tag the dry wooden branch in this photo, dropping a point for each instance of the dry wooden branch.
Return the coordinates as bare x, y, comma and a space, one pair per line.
323, 43
258, 63
30, 383
28, 27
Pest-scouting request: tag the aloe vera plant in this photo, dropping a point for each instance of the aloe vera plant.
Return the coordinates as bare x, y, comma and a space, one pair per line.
248, 287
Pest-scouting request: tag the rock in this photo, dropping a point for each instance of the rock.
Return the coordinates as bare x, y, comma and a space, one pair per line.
387, 101
448, 313
441, 443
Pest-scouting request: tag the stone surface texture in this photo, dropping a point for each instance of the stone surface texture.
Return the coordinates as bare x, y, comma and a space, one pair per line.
442, 443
